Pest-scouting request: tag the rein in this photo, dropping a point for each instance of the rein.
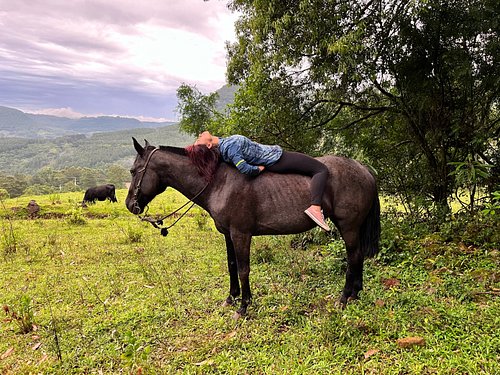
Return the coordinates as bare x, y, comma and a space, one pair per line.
157, 223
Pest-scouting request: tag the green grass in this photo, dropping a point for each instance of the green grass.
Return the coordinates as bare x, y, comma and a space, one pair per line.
107, 294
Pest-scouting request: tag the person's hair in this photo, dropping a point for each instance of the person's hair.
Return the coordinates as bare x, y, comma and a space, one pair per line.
206, 160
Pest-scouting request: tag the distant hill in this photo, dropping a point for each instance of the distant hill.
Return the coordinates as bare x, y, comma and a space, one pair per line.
99, 150
226, 96
16, 123
29, 142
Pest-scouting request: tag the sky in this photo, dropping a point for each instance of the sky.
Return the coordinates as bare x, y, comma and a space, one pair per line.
110, 57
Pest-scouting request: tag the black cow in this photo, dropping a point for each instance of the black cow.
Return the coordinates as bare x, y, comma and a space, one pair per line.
100, 193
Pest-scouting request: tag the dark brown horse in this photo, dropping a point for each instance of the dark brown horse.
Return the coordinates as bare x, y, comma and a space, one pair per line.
243, 206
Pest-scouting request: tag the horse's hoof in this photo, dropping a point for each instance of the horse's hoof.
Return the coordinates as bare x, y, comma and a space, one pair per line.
226, 304
242, 311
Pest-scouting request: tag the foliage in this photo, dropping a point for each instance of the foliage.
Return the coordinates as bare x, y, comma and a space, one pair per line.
407, 86
99, 151
201, 112
38, 189
470, 174
4, 194
493, 208
23, 317
198, 110
75, 216
155, 307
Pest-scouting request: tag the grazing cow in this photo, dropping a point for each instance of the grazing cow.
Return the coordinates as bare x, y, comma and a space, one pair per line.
100, 193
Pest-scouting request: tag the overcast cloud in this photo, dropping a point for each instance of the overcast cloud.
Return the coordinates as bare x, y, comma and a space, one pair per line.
117, 57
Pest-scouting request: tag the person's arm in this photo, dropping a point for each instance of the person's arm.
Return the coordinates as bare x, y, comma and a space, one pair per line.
242, 165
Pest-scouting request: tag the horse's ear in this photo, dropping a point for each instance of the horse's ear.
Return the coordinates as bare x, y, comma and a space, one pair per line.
146, 143
138, 147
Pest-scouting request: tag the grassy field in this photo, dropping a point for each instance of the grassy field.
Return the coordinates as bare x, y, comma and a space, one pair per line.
95, 291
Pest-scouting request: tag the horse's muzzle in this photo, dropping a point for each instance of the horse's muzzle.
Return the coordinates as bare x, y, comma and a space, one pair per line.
133, 206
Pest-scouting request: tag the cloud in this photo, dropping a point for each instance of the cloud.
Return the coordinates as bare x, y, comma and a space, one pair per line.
60, 112
90, 47
70, 113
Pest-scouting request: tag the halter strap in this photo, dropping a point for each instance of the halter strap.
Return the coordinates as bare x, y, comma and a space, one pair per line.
143, 169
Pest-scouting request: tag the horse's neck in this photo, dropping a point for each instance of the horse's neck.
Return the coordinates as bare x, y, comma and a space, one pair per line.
178, 172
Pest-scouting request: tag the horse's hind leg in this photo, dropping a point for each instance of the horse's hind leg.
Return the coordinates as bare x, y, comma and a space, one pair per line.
234, 288
354, 273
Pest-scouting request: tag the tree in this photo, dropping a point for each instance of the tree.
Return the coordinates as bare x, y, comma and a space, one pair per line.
14, 185
418, 80
198, 110
117, 176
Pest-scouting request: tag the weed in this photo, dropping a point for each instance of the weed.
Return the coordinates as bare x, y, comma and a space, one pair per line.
133, 350
263, 253
55, 333
24, 317
202, 219
134, 235
10, 243
76, 217
55, 198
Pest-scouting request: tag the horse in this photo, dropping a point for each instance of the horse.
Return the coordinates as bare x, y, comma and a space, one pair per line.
269, 204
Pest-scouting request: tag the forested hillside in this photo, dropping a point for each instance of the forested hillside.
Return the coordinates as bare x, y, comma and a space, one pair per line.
42, 154
27, 156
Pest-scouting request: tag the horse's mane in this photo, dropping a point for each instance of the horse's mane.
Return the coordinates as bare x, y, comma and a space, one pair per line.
175, 150
206, 160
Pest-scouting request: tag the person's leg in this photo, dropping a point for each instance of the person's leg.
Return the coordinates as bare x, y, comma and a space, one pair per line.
295, 162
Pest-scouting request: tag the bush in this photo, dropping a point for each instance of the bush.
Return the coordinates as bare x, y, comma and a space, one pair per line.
38, 189
4, 194
134, 235
76, 217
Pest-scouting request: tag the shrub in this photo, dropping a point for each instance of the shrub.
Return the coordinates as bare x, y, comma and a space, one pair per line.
134, 235
23, 317
76, 217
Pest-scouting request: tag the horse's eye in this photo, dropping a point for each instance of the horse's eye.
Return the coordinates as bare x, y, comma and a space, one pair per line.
132, 172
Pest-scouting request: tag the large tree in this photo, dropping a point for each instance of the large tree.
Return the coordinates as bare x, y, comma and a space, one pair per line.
410, 85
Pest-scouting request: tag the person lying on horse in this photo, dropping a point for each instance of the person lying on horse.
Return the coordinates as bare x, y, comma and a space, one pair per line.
253, 158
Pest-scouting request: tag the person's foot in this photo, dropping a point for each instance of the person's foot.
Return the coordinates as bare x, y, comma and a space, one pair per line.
317, 217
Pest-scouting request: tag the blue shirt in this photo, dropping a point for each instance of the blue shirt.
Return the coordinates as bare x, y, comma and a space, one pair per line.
247, 155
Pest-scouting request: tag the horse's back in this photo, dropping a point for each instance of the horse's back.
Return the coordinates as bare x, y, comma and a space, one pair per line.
274, 203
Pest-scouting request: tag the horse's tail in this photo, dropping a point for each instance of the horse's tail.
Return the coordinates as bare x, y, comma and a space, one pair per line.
370, 230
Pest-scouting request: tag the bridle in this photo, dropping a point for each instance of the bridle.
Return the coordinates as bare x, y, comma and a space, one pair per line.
157, 223
138, 185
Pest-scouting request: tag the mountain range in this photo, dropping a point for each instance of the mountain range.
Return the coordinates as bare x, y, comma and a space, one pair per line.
30, 142
16, 123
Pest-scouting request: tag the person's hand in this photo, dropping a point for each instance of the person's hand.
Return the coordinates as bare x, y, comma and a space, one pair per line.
261, 168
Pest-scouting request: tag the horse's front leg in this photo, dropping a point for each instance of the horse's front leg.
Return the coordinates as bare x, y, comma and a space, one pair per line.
234, 287
241, 243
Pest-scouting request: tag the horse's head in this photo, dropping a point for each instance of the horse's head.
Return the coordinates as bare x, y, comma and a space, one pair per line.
145, 184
